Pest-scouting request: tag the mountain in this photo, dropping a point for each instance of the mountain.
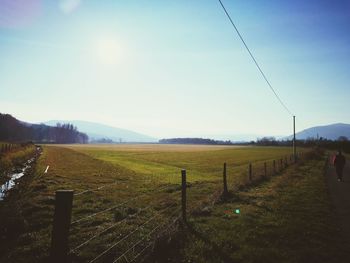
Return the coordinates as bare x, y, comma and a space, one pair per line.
98, 131
331, 132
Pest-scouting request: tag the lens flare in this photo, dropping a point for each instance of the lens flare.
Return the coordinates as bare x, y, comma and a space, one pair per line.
108, 51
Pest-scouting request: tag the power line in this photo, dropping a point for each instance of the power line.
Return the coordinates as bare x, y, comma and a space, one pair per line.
255, 62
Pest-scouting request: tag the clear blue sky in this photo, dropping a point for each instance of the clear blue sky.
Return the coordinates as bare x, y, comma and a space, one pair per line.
176, 68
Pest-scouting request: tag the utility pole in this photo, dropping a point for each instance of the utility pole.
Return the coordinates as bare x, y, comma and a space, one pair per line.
294, 143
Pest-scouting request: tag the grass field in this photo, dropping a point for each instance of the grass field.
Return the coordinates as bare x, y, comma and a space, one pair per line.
286, 219
139, 185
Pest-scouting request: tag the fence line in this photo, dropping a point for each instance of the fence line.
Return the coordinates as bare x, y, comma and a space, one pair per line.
140, 240
252, 176
106, 229
117, 182
140, 253
103, 211
7, 147
113, 207
128, 235
99, 188
175, 220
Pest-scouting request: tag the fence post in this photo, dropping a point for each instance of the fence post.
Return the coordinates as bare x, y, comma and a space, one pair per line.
225, 181
281, 164
250, 172
265, 169
183, 197
61, 224
274, 166
286, 162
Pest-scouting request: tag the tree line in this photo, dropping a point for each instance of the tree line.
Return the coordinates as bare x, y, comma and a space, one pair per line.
194, 141
342, 143
13, 130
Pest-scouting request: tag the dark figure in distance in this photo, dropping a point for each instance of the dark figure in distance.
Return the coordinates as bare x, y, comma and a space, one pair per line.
339, 163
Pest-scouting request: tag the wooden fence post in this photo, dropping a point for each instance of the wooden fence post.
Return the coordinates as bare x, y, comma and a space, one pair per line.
265, 169
250, 172
225, 182
274, 166
281, 164
183, 196
286, 162
61, 224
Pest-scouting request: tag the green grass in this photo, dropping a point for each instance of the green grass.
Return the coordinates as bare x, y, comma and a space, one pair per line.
203, 163
13, 158
127, 172
286, 219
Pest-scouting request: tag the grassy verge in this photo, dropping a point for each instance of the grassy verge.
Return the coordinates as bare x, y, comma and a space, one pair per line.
286, 219
14, 158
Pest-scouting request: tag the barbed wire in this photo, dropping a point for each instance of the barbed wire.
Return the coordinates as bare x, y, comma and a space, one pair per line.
99, 188
112, 184
147, 235
137, 243
103, 211
141, 252
115, 206
106, 229
175, 220
129, 234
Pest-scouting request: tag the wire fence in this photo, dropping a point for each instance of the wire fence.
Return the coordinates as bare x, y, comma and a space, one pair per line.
8, 147
126, 230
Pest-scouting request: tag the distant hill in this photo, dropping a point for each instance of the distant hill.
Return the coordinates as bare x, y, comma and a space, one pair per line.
98, 132
331, 132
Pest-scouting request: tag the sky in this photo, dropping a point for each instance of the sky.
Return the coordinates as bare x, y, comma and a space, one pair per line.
176, 68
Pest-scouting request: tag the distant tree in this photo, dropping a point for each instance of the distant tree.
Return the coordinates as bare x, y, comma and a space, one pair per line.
194, 141
343, 139
267, 141
13, 130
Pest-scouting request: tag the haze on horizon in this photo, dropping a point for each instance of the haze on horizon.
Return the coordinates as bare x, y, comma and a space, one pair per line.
176, 68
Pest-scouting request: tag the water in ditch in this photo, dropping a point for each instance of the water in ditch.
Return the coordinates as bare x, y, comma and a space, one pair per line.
15, 175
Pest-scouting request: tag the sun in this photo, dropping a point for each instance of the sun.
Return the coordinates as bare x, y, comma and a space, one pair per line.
108, 50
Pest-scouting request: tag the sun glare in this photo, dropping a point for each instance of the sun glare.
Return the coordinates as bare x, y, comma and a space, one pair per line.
108, 50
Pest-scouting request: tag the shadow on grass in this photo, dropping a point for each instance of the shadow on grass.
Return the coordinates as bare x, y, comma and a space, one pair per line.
169, 248
213, 249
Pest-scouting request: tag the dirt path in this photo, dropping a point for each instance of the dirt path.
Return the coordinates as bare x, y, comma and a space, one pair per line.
340, 197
